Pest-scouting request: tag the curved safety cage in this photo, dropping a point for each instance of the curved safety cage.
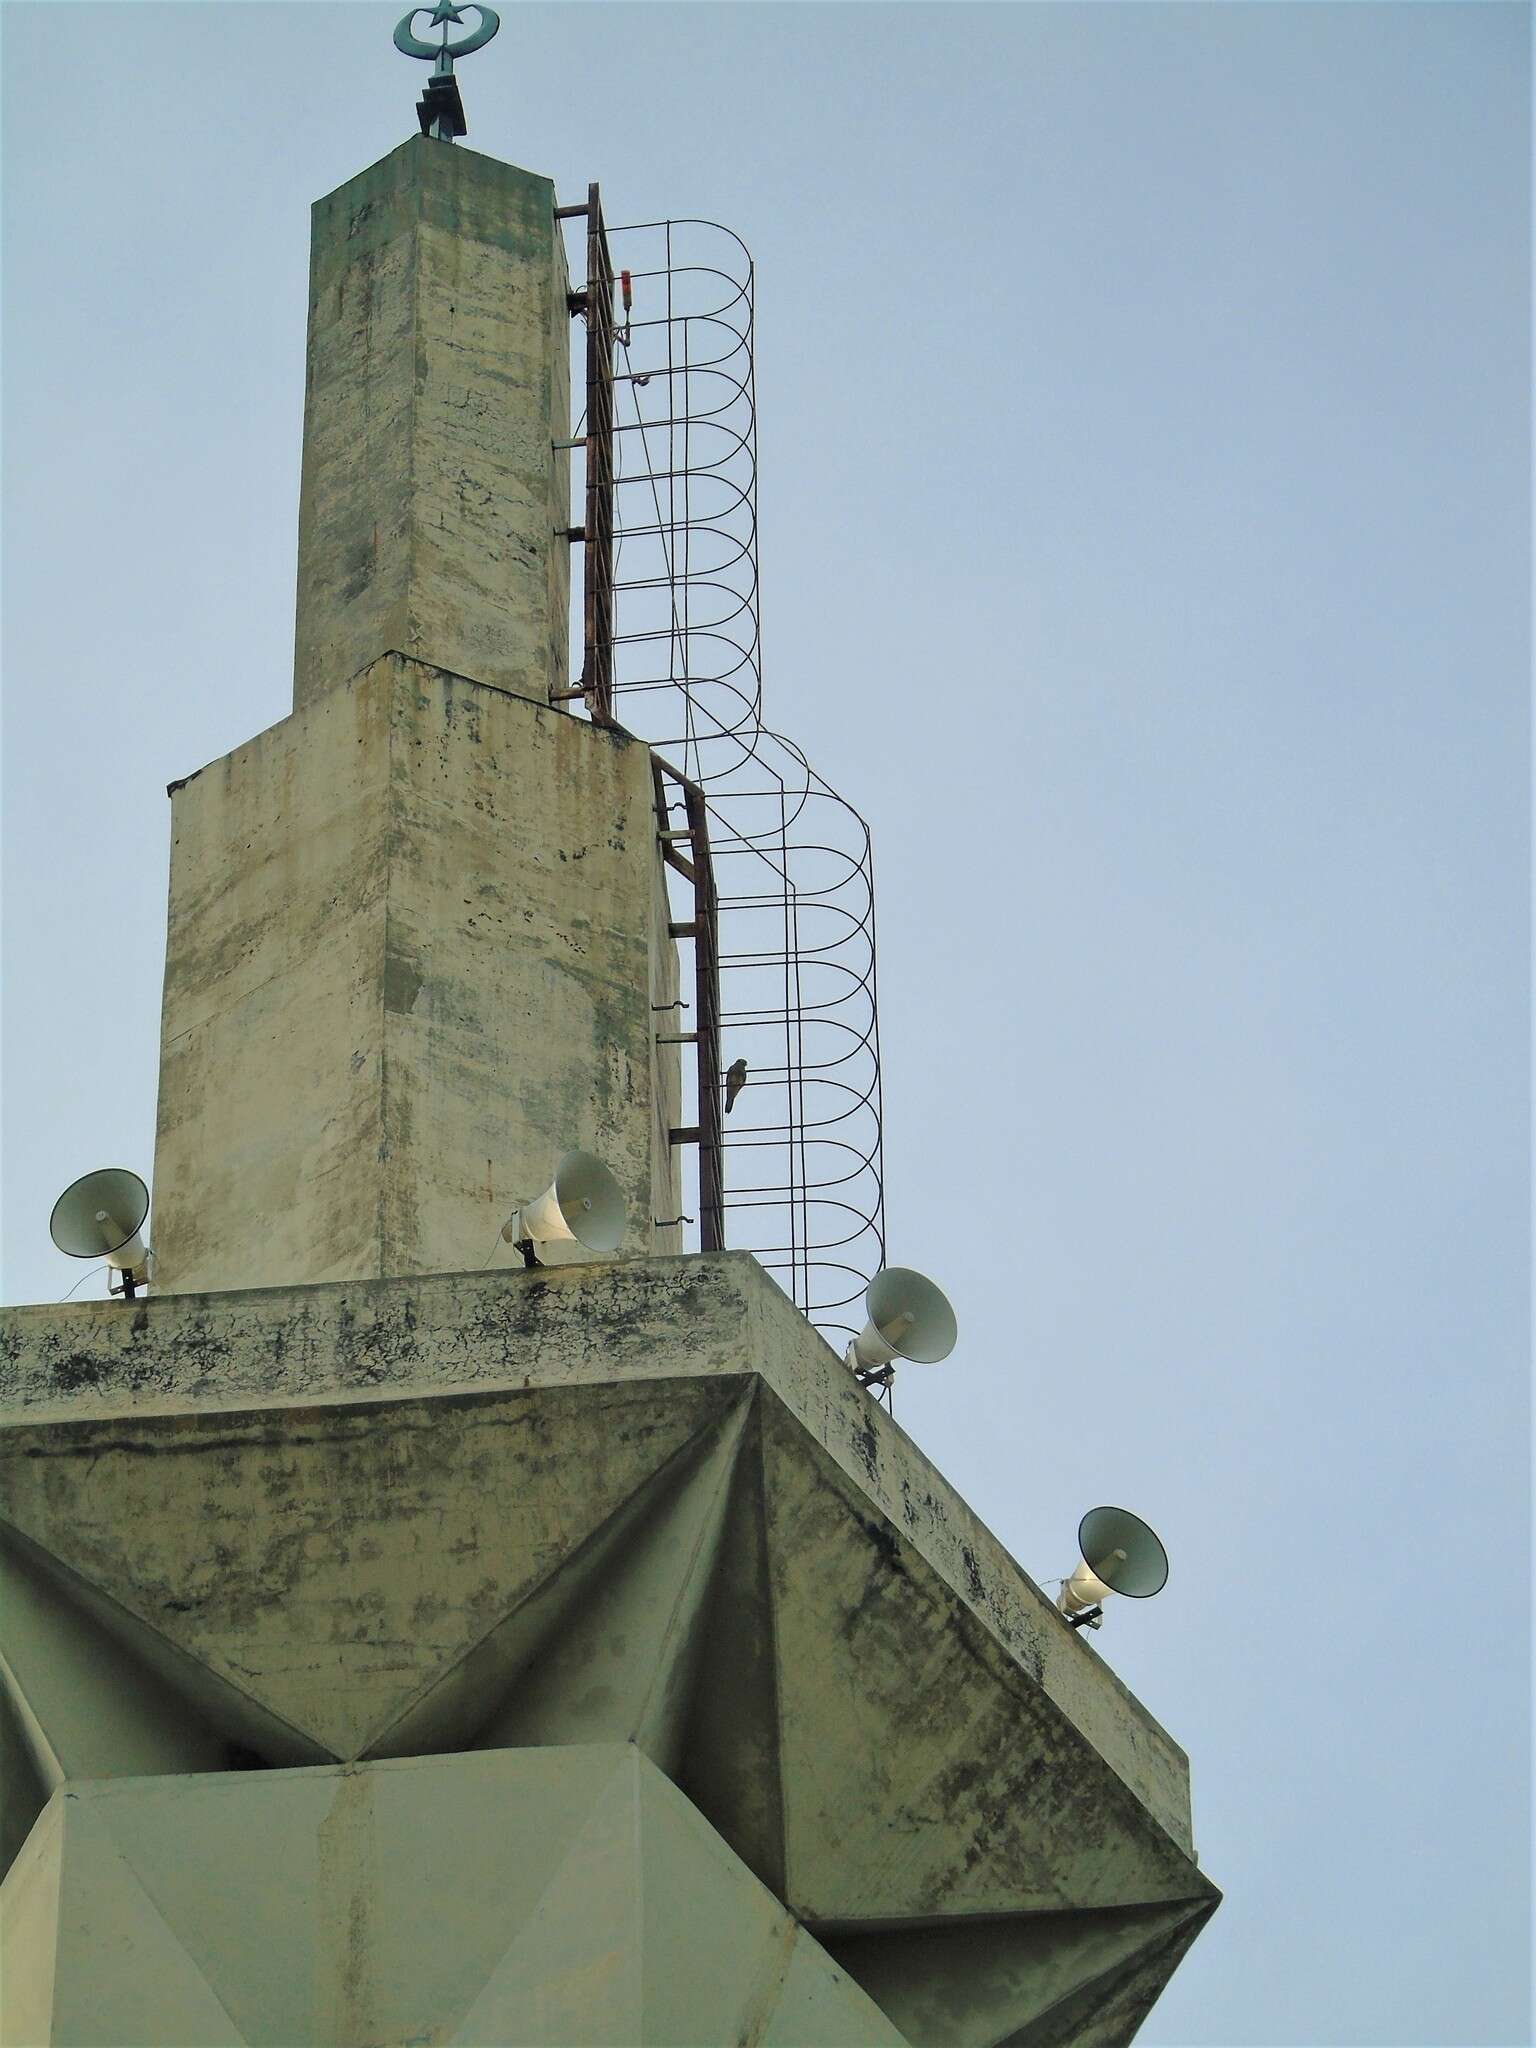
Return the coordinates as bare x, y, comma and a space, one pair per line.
773, 886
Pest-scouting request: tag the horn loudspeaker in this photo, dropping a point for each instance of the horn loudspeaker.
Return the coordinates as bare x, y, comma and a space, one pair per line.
1120, 1555
583, 1203
100, 1216
908, 1318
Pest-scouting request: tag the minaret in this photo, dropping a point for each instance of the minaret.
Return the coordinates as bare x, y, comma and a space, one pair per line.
398, 1646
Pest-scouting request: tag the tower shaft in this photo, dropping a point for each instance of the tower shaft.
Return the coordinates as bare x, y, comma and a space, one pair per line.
435, 482
418, 930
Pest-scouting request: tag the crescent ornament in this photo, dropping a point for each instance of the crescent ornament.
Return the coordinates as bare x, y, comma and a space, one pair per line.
412, 46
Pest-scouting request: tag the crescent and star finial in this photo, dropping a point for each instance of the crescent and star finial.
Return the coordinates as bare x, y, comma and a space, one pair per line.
443, 13
440, 109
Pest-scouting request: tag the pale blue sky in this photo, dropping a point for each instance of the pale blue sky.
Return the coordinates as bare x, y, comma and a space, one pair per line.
1145, 550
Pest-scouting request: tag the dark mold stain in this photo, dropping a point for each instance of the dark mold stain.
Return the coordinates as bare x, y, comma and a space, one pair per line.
972, 1571
79, 1369
402, 983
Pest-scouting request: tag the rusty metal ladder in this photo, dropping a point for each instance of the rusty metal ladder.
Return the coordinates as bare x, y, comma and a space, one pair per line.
595, 304
595, 687
697, 868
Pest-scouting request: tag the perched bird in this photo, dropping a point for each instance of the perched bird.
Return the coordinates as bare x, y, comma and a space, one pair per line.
735, 1081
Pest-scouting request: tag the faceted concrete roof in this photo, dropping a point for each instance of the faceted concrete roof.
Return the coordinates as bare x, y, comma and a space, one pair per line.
638, 1502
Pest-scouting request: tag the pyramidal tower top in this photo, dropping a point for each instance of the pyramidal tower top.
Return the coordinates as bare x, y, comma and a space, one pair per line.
449, 1605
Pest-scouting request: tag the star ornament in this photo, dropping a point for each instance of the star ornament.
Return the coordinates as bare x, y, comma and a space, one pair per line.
442, 16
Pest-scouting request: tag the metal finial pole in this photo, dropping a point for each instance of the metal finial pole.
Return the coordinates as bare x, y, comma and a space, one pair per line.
440, 109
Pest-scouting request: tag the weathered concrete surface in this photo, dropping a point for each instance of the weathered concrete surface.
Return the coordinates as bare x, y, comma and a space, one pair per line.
636, 1502
1036, 1980
643, 1332
416, 930
433, 500
558, 1897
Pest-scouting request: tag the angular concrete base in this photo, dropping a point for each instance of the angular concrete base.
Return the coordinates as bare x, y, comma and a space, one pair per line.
553, 1898
638, 1502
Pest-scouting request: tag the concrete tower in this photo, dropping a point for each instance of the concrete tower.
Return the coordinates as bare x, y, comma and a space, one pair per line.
394, 1651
